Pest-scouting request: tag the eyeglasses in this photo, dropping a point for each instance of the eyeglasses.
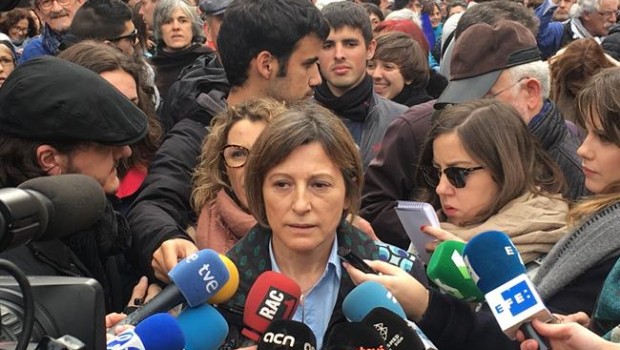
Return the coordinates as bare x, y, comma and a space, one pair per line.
6, 62
494, 95
609, 13
133, 37
455, 175
47, 4
20, 30
235, 155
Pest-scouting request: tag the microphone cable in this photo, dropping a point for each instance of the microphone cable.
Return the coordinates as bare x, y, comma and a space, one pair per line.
26, 290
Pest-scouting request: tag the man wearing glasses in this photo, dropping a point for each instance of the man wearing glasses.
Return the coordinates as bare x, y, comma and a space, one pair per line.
107, 21
588, 19
57, 16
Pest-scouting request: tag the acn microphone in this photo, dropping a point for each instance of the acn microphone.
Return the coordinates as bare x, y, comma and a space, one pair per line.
287, 335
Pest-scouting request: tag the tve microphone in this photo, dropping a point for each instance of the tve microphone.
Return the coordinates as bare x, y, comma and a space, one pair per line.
273, 296
497, 268
287, 334
448, 270
353, 336
203, 326
49, 207
158, 332
393, 329
230, 288
370, 295
195, 279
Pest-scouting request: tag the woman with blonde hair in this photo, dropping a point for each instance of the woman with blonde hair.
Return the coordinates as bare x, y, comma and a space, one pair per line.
219, 197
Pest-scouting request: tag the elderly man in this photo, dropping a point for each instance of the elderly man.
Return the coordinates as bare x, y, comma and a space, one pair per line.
505, 66
57, 16
212, 13
588, 19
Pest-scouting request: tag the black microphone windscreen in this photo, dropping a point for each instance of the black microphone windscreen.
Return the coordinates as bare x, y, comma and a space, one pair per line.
353, 336
393, 329
287, 335
78, 202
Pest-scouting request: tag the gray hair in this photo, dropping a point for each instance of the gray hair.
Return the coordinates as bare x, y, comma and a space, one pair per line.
581, 6
163, 12
405, 14
538, 70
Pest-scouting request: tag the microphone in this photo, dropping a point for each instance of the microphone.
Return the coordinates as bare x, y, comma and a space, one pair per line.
203, 326
49, 207
393, 329
194, 280
273, 296
230, 287
157, 332
287, 334
496, 266
448, 270
367, 296
370, 295
353, 336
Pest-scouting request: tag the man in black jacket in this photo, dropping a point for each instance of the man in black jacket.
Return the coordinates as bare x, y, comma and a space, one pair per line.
268, 48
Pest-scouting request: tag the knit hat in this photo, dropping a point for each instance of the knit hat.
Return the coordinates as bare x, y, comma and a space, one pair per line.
50, 99
480, 55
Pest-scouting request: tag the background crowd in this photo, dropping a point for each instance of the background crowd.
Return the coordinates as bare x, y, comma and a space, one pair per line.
277, 131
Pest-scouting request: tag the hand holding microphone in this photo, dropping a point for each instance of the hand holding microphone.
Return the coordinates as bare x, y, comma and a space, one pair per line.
411, 294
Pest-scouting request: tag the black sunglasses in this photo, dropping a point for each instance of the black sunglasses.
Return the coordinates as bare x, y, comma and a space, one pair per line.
133, 37
456, 175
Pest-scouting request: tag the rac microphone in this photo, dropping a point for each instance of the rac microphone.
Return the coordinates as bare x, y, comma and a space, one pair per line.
195, 279
370, 295
287, 335
448, 270
273, 296
496, 266
203, 326
49, 207
157, 332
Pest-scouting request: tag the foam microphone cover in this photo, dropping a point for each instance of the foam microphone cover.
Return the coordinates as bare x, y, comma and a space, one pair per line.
202, 275
287, 334
78, 202
367, 296
393, 329
157, 332
353, 336
492, 260
203, 326
273, 296
448, 270
229, 288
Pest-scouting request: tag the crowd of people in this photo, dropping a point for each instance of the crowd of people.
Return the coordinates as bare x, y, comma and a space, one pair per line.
278, 131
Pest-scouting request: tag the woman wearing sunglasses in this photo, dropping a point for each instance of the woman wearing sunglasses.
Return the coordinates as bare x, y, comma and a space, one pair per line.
580, 273
218, 196
487, 172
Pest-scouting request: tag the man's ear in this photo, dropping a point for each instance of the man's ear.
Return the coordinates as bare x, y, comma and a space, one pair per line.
370, 51
534, 91
266, 64
49, 159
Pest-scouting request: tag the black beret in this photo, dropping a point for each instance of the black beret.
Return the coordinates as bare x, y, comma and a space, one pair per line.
50, 99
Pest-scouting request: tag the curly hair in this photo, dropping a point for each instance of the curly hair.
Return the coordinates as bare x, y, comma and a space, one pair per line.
209, 175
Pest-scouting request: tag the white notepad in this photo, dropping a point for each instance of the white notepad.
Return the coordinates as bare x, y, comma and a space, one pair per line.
412, 216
